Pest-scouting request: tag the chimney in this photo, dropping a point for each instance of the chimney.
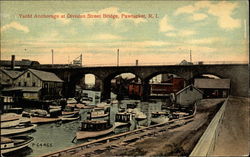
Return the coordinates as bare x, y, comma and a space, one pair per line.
12, 62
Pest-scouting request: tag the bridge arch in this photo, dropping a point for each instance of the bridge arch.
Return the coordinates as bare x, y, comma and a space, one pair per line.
106, 91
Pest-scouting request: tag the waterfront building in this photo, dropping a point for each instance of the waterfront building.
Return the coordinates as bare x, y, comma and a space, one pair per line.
36, 84
7, 77
187, 96
213, 88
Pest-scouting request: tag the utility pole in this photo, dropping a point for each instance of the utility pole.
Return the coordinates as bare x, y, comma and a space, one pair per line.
190, 56
117, 57
52, 56
81, 59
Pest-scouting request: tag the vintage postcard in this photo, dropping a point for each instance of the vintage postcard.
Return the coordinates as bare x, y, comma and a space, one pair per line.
124, 78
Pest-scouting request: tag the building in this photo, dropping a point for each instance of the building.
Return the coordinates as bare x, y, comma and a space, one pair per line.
135, 90
7, 77
36, 84
213, 88
171, 85
187, 96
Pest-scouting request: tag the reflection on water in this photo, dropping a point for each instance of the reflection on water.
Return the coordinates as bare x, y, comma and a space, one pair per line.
56, 136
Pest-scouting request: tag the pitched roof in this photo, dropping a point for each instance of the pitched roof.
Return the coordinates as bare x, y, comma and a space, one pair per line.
212, 83
187, 87
45, 76
12, 73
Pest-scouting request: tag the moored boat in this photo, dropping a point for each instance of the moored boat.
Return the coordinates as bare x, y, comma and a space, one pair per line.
17, 129
9, 120
15, 143
42, 116
94, 128
99, 112
159, 117
122, 119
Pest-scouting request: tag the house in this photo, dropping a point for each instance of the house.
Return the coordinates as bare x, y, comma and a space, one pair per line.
7, 77
213, 88
187, 96
36, 84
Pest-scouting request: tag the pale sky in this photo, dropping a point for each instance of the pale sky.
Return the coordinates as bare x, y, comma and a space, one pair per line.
213, 30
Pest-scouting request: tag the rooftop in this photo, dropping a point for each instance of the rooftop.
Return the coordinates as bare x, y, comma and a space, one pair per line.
212, 83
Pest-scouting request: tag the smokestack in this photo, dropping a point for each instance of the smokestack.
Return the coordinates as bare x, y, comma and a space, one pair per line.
12, 62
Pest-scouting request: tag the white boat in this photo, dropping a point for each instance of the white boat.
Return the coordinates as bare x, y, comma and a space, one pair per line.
99, 112
17, 129
71, 101
138, 114
15, 143
10, 120
159, 117
41, 116
94, 128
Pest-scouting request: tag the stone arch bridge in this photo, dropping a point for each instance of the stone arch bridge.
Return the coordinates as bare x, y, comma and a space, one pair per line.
238, 73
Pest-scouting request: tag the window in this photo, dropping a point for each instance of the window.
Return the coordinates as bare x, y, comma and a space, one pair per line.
19, 83
8, 80
34, 84
25, 84
28, 74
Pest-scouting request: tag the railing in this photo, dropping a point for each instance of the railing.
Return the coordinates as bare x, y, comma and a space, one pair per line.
147, 64
207, 142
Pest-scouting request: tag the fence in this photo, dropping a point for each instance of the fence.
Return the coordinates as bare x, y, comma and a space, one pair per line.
207, 142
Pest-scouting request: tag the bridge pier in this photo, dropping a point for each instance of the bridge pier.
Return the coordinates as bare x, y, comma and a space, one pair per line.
145, 90
105, 89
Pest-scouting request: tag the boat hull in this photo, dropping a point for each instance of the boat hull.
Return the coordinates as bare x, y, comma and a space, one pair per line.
11, 123
159, 120
41, 120
90, 134
17, 130
16, 146
67, 119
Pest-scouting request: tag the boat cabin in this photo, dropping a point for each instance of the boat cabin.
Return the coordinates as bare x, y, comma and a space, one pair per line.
94, 125
122, 117
158, 114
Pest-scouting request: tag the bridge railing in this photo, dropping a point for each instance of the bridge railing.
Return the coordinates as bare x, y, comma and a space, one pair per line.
147, 64
207, 141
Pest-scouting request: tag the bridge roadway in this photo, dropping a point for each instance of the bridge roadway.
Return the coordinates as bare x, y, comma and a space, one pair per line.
151, 140
237, 73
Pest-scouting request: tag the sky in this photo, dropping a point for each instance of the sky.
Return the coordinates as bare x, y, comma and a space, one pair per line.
212, 30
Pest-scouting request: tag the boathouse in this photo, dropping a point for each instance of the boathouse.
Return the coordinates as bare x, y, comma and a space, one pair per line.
213, 88
187, 96
37, 85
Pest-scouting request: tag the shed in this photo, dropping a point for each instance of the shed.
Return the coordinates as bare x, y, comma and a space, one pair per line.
188, 96
213, 87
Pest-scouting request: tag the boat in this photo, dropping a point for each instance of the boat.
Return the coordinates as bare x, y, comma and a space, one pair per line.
41, 116
178, 114
159, 117
17, 129
70, 116
138, 114
94, 128
71, 101
9, 120
82, 106
14, 143
85, 100
99, 112
122, 119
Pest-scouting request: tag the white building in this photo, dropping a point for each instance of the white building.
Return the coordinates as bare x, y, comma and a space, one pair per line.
187, 96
